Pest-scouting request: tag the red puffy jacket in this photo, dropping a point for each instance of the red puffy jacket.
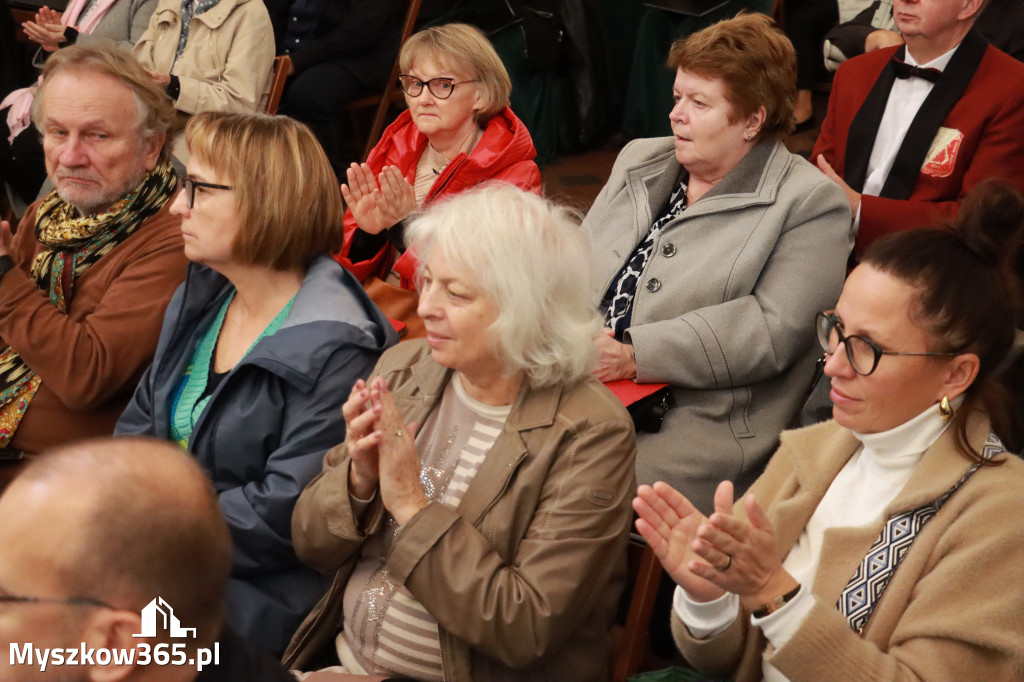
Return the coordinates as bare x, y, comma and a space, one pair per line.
504, 152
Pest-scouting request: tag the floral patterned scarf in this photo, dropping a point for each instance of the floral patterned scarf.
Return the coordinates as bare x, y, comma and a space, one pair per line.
71, 245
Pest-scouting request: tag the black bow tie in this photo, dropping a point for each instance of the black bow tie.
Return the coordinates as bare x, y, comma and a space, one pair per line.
904, 70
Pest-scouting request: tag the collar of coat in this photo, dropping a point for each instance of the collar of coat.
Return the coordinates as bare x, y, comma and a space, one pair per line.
213, 18
523, 432
505, 142
817, 453
431, 379
754, 180
330, 311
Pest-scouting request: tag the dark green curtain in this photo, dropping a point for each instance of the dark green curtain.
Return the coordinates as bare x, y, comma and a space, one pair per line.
649, 95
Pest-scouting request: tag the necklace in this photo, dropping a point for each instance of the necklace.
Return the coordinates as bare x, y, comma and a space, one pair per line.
380, 588
438, 161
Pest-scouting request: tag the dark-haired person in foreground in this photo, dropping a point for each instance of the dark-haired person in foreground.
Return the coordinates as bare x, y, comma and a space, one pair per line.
881, 545
95, 531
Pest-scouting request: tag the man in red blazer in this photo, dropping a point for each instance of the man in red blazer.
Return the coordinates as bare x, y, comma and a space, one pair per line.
906, 149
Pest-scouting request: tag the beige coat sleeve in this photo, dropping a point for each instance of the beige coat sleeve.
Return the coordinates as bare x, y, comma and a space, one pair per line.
517, 610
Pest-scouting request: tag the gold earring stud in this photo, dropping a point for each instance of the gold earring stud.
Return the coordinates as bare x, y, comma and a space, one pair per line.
945, 410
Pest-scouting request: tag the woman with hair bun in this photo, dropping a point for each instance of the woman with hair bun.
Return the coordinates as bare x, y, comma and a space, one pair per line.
881, 545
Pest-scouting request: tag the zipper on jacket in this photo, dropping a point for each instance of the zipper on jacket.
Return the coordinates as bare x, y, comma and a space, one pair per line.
446, 177
513, 466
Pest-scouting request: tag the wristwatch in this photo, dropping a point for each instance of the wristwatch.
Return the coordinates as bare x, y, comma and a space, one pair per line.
6, 263
775, 604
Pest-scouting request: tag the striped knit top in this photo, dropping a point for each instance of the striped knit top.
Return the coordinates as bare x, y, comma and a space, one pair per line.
386, 630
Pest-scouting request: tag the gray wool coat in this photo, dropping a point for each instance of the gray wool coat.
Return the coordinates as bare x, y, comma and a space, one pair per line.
724, 309
124, 22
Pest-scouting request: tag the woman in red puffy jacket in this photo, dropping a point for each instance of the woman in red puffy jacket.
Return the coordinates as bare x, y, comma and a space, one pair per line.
458, 131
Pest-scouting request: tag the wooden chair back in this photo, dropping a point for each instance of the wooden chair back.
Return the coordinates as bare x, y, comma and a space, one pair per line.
21, 16
645, 574
391, 92
282, 65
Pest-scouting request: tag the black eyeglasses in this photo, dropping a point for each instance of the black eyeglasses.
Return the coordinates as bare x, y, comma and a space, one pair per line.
862, 352
189, 186
441, 88
72, 601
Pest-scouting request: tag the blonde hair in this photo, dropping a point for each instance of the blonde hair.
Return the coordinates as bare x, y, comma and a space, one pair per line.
287, 193
755, 60
462, 48
530, 258
105, 57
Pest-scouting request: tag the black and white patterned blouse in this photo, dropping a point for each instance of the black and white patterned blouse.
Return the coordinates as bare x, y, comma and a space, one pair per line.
618, 300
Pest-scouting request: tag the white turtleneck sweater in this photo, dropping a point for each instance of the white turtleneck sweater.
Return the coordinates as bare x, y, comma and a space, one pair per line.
871, 480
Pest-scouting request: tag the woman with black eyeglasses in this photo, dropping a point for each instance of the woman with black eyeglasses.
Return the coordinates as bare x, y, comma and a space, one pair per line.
259, 349
458, 131
883, 545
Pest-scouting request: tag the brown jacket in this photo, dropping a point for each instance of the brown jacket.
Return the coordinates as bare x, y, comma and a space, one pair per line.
524, 576
90, 359
954, 609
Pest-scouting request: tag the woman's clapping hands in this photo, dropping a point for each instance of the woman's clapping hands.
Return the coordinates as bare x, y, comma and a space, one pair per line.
669, 523
46, 30
382, 451
377, 203
710, 556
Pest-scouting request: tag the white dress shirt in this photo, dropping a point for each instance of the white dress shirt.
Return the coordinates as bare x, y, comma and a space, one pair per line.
905, 99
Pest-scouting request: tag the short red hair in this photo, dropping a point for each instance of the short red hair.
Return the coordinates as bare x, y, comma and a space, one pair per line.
755, 61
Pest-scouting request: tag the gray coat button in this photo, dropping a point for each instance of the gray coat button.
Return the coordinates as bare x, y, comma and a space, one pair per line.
668, 250
653, 284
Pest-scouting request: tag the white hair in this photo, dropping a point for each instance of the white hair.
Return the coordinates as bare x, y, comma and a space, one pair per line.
529, 256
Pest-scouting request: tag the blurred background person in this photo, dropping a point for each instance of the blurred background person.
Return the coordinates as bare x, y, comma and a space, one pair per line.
457, 132
209, 55
22, 164
806, 23
712, 251
259, 349
122, 21
1001, 22
340, 50
506, 466
826, 570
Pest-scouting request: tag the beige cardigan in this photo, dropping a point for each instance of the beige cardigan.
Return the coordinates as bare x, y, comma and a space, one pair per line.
227, 62
954, 609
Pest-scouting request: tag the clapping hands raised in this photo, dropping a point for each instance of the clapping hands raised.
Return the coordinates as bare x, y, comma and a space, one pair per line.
382, 450
46, 30
708, 557
377, 203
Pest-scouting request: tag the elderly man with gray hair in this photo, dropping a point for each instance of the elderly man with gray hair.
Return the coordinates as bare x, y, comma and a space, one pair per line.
86, 277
